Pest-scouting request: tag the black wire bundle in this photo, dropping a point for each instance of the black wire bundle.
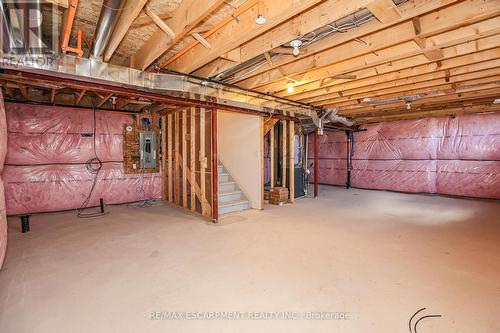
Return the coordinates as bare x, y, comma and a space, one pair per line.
93, 166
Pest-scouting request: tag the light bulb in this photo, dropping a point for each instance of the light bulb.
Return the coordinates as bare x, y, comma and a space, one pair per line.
290, 88
260, 20
296, 43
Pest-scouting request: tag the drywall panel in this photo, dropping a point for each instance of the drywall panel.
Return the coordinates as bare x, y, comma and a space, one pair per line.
240, 150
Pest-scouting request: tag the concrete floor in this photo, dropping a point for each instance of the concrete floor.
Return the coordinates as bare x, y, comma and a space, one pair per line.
379, 256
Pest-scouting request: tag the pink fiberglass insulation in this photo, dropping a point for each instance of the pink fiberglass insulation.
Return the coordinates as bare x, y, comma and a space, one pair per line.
45, 164
332, 157
3, 151
453, 156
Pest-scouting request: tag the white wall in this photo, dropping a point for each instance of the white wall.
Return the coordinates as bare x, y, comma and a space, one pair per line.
239, 148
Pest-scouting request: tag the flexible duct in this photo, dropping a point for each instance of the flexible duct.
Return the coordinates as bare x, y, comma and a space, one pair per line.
110, 12
331, 116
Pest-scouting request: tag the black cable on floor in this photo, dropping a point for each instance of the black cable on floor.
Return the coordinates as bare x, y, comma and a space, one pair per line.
93, 166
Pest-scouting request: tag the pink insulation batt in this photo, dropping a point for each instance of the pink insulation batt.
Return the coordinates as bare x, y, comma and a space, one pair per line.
332, 158
45, 164
3, 151
454, 156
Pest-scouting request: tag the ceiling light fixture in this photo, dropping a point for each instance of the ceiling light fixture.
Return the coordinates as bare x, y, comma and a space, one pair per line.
260, 20
296, 43
290, 88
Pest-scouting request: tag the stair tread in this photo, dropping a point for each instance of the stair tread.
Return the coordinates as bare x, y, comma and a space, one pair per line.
228, 182
230, 192
233, 203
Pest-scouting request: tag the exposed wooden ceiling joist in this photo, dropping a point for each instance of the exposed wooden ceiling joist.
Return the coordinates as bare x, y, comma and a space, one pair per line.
384, 10
185, 18
436, 112
484, 36
317, 17
127, 17
235, 33
424, 80
492, 92
437, 26
458, 55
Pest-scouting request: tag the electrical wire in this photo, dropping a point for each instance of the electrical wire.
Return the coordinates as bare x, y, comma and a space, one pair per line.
409, 322
424, 317
316, 37
145, 202
93, 166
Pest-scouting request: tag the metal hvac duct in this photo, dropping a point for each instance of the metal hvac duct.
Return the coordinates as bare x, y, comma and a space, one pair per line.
110, 12
16, 18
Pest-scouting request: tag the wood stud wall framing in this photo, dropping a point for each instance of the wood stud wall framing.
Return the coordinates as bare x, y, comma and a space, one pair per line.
186, 150
281, 149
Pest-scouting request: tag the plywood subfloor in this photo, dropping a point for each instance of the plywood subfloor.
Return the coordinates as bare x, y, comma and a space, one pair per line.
379, 256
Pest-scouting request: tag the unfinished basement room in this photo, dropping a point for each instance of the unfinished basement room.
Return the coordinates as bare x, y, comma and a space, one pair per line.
250, 166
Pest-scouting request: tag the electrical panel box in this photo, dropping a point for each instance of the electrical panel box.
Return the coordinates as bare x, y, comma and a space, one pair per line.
147, 149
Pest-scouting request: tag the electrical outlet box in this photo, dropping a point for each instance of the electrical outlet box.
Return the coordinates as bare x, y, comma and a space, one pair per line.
147, 149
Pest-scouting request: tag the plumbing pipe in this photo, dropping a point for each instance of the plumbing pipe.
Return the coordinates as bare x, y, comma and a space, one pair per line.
69, 18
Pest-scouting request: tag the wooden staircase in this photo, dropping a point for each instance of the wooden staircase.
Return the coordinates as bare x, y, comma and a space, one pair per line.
231, 197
